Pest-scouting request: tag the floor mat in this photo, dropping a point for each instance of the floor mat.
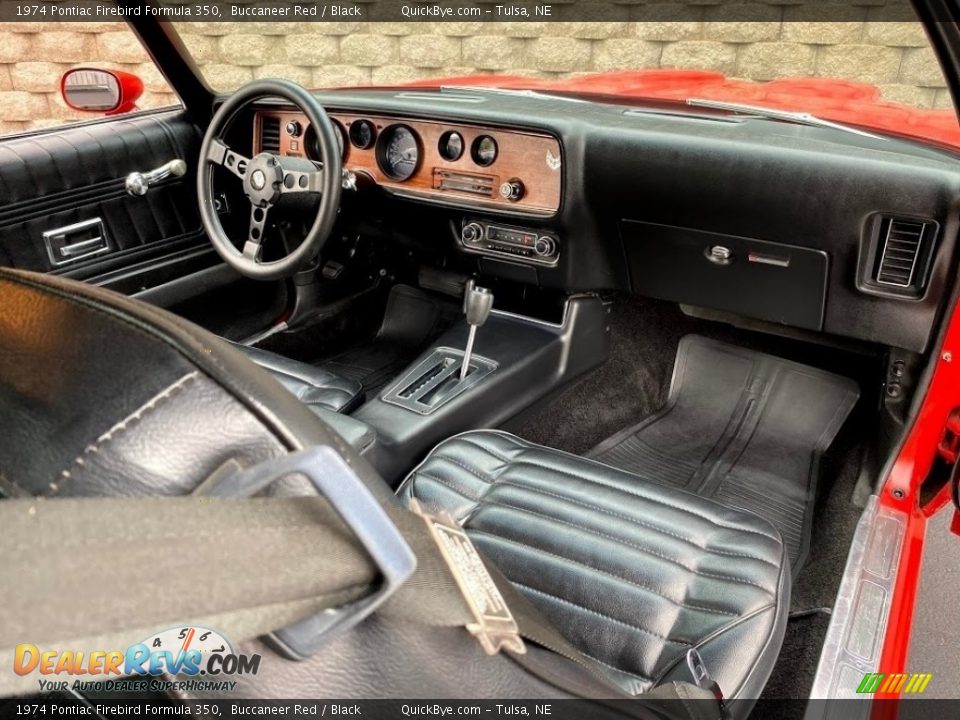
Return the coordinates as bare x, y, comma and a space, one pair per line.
744, 428
411, 320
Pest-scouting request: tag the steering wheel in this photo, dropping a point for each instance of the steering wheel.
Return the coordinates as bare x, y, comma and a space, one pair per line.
268, 179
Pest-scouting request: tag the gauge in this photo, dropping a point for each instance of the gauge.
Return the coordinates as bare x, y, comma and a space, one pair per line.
311, 143
484, 150
341, 138
398, 152
362, 134
451, 146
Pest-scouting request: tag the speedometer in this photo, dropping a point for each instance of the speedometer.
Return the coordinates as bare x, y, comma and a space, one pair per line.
398, 152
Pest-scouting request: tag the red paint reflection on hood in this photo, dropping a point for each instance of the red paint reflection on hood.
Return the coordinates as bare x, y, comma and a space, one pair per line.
842, 101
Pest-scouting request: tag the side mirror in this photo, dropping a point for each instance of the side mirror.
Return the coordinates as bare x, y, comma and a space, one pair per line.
110, 92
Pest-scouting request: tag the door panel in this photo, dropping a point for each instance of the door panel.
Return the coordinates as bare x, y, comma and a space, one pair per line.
155, 245
57, 179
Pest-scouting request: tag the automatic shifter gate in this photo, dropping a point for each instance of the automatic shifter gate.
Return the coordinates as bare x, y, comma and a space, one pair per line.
446, 373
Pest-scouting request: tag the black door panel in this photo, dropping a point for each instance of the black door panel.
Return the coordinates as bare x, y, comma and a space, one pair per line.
155, 245
60, 178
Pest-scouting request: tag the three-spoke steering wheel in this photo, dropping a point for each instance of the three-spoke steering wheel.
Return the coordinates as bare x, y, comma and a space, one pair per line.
267, 178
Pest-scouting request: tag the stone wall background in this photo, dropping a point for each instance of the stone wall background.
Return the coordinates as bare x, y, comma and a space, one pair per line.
858, 45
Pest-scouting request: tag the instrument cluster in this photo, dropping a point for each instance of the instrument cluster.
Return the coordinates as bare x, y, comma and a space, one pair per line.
464, 165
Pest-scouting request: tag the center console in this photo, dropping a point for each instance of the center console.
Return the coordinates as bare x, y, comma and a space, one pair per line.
512, 362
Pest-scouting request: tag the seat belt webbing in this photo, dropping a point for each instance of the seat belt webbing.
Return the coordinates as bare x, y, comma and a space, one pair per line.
96, 572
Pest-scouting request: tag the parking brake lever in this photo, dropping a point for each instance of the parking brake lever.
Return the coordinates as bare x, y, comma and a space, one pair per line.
477, 304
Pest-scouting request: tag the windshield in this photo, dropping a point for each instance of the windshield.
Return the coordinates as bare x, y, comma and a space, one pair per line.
842, 65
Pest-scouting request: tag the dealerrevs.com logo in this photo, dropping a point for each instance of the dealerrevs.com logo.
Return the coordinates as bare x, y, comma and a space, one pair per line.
171, 659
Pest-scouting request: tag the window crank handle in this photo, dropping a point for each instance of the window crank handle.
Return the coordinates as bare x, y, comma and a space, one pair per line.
138, 183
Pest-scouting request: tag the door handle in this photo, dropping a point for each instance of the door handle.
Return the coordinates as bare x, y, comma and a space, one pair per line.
79, 248
137, 183
75, 242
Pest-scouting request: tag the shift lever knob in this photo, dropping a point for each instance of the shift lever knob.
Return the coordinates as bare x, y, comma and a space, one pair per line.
477, 304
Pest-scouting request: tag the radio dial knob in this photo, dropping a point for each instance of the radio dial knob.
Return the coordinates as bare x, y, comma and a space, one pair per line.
512, 190
472, 232
545, 246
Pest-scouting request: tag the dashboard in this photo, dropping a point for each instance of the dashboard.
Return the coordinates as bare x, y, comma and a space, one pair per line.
468, 165
811, 228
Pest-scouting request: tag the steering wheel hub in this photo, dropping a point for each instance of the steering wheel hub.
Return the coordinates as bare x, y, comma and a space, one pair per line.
263, 180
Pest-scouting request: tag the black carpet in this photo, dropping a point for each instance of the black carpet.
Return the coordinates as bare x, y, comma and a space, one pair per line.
411, 320
350, 321
631, 384
370, 337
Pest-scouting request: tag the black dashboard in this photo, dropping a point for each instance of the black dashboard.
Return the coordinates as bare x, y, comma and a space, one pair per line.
807, 227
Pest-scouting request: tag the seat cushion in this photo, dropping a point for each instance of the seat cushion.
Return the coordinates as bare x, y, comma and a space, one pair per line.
313, 386
634, 574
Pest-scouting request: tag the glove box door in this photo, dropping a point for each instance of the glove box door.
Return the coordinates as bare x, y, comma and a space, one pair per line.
769, 281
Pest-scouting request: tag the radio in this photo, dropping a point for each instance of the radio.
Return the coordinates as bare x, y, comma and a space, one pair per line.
522, 243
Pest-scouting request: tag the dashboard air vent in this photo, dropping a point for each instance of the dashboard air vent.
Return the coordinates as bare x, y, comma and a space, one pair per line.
472, 183
270, 135
896, 254
900, 252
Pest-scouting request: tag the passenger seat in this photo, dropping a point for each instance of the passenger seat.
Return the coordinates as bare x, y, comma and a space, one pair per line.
632, 573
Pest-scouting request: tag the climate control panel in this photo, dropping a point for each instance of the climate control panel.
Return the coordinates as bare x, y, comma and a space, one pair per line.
525, 244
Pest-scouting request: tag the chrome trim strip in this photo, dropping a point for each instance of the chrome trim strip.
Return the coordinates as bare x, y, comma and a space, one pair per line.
862, 606
439, 368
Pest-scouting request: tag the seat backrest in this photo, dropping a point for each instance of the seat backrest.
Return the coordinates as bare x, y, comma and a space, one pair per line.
104, 395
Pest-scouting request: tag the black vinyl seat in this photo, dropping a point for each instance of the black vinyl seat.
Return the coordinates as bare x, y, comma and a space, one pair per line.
313, 386
634, 574
101, 395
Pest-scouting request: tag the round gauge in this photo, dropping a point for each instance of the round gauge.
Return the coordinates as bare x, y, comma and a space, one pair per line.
341, 138
398, 152
484, 150
451, 146
362, 134
311, 144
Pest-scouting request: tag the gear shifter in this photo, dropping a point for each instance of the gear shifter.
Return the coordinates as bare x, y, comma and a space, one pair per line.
477, 304
444, 374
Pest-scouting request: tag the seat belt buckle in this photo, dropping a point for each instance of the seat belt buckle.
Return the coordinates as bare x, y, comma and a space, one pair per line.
359, 510
494, 627
703, 680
